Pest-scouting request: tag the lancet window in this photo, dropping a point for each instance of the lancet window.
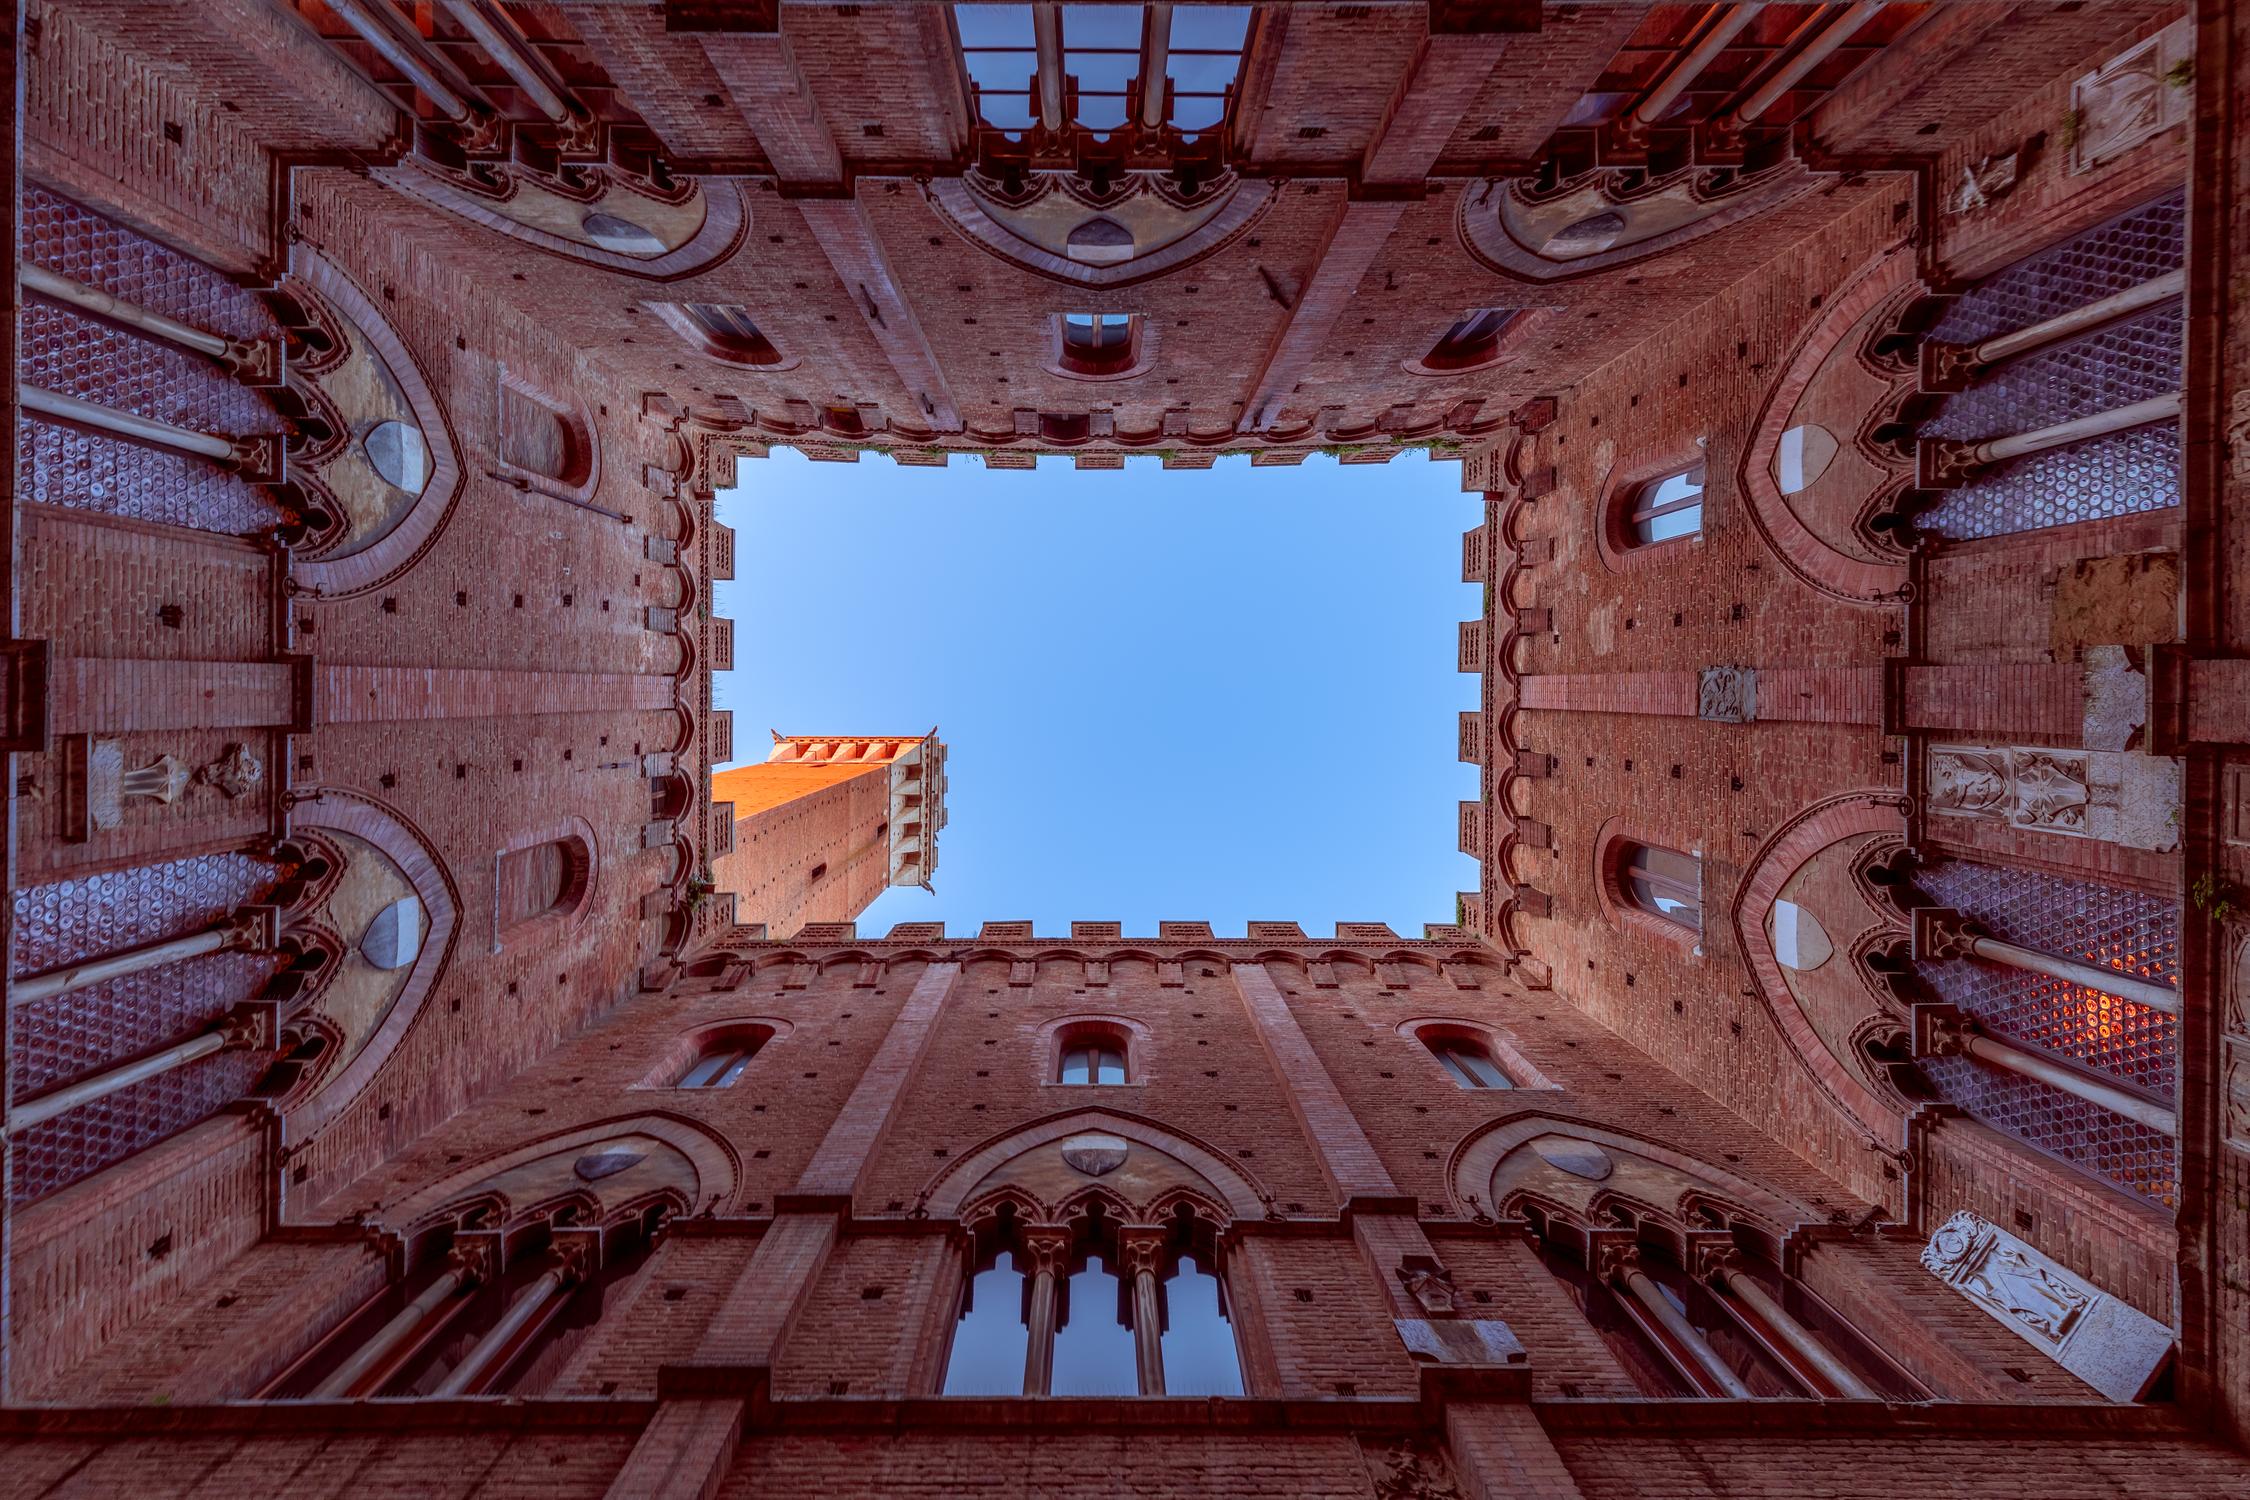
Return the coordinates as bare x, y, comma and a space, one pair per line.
1703, 1311
497, 1305
1094, 1307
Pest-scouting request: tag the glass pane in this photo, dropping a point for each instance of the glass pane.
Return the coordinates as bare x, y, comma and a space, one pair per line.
1678, 487
990, 1341
994, 25
1102, 26
1102, 72
1197, 112
1202, 72
1199, 1354
1002, 72
1101, 111
1111, 1067
1078, 1065
1479, 1067
1685, 521
1221, 27
731, 1070
1453, 1065
702, 1071
1093, 1347
1006, 111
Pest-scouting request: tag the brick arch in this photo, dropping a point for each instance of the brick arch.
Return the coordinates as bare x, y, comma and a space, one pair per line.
1477, 1159
417, 531
1795, 545
958, 1182
716, 1163
957, 206
726, 221
1479, 223
405, 847
1781, 857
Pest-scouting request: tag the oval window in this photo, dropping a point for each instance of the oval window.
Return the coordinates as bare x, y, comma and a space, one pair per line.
394, 939
398, 454
621, 235
1799, 941
1804, 456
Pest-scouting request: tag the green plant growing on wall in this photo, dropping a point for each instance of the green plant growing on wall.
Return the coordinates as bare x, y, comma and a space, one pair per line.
2214, 896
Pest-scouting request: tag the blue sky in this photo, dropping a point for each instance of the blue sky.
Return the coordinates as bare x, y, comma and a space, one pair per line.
1218, 695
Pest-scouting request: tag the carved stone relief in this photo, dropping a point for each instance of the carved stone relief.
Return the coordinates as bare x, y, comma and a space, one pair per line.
1728, 695
1095, 1155
2132, 800
1984, 184
2137, 95
2112, 1347
109, 786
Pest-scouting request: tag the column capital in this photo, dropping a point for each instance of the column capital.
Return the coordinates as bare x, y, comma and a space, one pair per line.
1941, 1030
1142, 1248
1616, 1257
1045, 1250
1941, 932
1715, 1257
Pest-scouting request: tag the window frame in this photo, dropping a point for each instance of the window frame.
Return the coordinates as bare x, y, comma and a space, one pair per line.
714, 343
1134, 356
1487, 349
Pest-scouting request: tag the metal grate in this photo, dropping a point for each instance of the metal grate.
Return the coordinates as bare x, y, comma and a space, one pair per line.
51, 1042
68, 352
2104, 925
2122, 474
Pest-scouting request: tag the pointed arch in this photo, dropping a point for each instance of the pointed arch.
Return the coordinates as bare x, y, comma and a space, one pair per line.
716, 1164
962, 1178
1479, 1157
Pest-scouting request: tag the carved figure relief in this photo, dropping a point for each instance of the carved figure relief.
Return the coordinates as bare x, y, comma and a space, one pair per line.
1428, 1283
2117, 798
2135, 96
1995, 1269
1728, 695
1984, 184
236, 773
109, 786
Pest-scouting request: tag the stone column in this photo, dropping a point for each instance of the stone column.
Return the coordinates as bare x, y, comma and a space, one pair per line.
465, 1272
503, 1339
1047, 1254
250, 928
1943, 1031
1724, 1268
255, 1025
1942, 932
1946, 464
1620, 1266
1142, 1251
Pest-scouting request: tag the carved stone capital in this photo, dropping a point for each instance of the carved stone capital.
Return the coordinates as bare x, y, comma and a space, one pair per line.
1141, 1250
1046, 1251
259, 458
578, 1252
477, 1255
1944, 464
1615, 1258
1940, 932
254, 1025
1941, 1031
258, 363
1946, 367
1714, 1258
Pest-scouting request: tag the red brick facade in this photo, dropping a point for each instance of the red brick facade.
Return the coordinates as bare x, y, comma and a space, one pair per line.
420, 1079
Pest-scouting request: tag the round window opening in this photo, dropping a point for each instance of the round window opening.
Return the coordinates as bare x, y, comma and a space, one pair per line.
399, 455
621, 235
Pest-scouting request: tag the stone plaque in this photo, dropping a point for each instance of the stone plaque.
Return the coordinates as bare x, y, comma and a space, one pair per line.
2118, 798
595, 1165
2116, 1349
1728, 695
1095, 1154
1578, 1158
2135, 96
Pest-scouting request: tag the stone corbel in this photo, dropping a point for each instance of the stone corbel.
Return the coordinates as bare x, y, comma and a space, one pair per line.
1940, 1030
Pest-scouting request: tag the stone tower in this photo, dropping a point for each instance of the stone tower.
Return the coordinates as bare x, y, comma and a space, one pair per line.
825, 823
